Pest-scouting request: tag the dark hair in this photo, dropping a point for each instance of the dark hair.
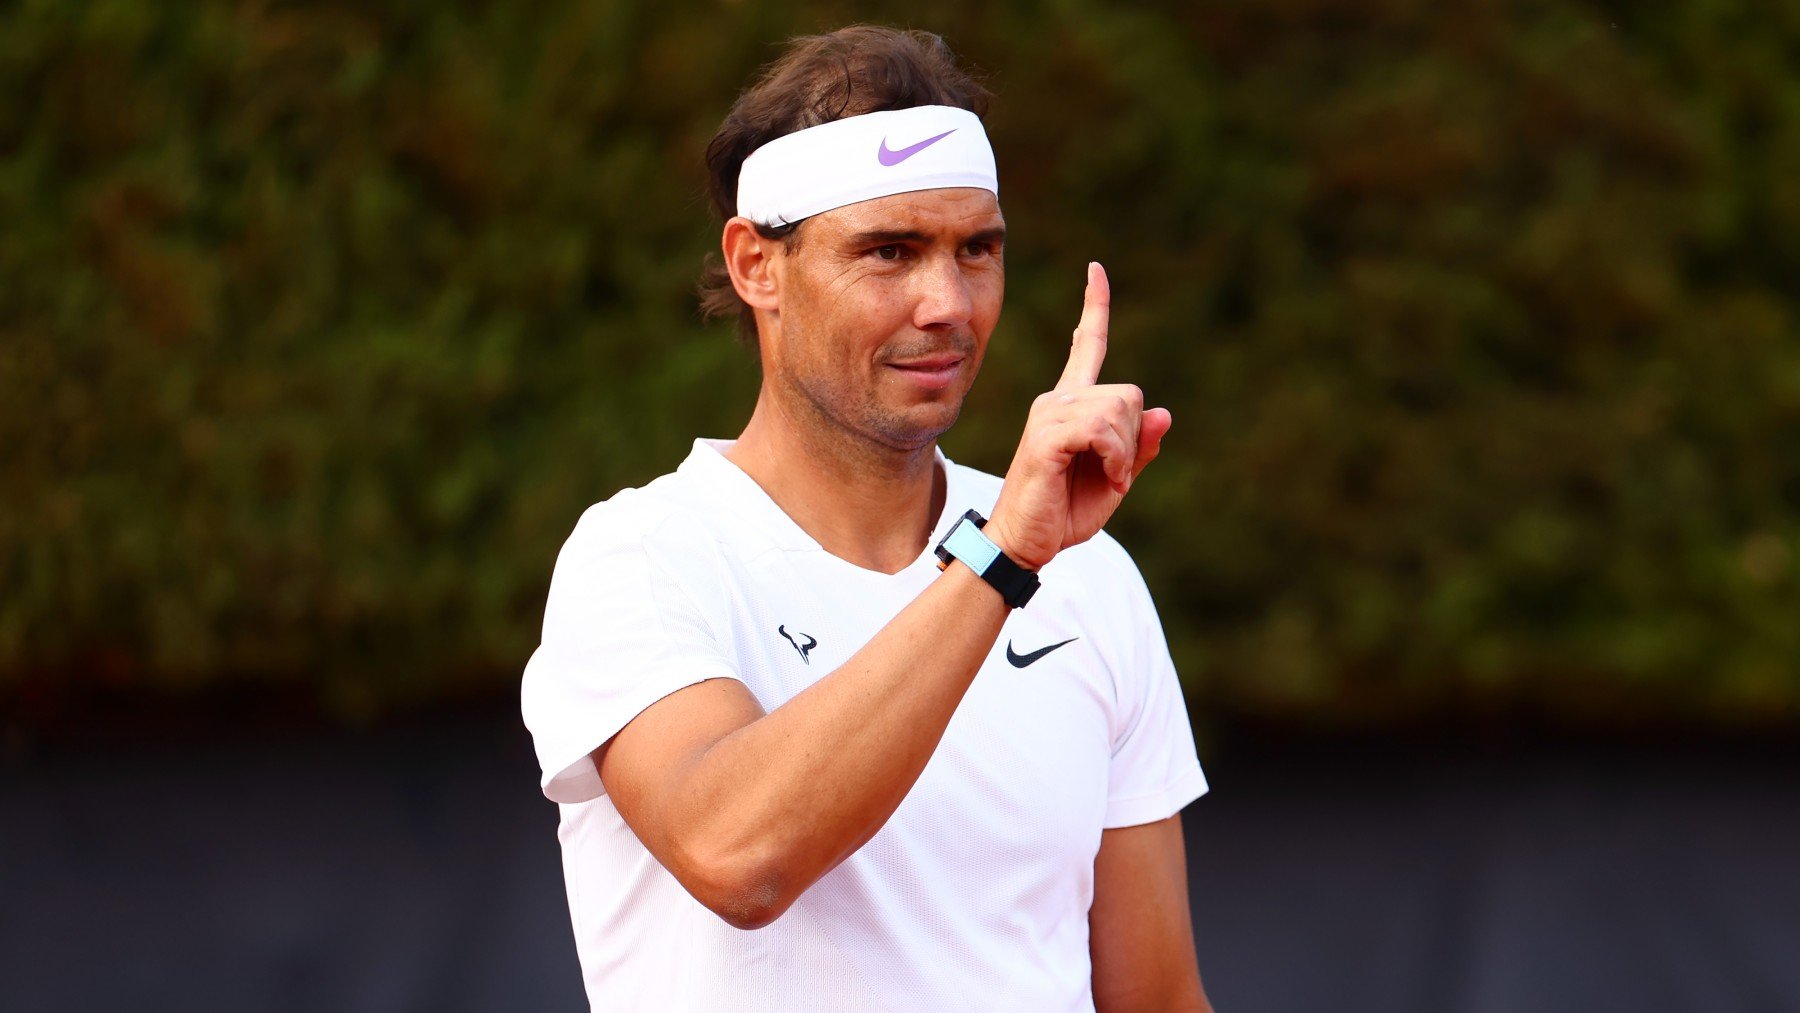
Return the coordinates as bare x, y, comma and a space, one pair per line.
821, 78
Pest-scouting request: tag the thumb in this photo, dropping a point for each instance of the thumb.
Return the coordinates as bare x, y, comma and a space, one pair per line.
1151, 430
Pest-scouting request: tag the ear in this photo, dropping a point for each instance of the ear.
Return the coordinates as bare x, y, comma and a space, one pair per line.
750, 260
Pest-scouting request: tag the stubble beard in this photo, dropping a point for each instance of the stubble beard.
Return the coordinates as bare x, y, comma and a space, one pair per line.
837, 414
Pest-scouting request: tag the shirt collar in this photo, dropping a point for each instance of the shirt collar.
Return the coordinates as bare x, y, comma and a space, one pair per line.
740, 494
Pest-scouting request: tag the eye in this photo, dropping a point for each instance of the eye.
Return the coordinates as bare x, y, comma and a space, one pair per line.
888, 252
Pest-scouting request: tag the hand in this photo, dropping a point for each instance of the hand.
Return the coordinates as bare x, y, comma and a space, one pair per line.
1084, 444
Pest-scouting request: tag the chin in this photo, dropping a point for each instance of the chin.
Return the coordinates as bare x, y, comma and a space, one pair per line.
918, 426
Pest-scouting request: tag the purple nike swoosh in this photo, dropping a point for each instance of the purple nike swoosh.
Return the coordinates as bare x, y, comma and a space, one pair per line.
890, 157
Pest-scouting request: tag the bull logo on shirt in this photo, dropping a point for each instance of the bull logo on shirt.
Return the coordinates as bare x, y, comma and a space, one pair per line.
804, 649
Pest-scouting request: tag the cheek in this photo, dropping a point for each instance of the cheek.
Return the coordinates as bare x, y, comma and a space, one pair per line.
988, 292
869, 315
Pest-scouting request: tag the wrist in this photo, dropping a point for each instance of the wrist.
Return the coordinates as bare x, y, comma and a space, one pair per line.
969, 543
1001, 535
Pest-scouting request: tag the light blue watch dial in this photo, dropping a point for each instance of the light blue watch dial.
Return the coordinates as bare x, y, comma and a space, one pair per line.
967, 543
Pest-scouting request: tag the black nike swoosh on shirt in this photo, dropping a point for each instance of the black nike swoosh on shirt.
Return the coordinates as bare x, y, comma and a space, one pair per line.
1021, 660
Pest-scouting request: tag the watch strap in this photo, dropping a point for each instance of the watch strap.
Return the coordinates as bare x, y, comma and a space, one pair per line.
979, 553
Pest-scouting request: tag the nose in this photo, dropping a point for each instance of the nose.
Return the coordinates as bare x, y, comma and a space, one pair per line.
943, 294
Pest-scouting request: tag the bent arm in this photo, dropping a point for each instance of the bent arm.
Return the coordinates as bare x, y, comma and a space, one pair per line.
746, 809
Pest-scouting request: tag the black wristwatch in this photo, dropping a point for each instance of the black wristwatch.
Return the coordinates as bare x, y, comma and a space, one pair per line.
979, 553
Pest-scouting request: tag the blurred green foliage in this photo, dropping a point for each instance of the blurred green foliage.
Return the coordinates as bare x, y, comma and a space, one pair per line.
320, 324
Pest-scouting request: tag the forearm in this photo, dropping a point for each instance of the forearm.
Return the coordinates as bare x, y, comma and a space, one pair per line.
793, 793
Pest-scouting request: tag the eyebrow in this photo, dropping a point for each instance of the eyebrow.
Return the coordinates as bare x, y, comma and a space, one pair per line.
881, 237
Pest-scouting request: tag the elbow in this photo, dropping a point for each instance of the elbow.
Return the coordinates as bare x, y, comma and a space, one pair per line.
754, 906
747, 894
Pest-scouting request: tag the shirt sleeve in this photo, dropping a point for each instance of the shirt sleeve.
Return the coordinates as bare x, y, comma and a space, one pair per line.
619, 634
1155, 771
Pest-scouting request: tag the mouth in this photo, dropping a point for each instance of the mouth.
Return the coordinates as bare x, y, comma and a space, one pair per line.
934, 373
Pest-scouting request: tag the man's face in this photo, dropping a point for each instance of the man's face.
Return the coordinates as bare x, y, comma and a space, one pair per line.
885, 311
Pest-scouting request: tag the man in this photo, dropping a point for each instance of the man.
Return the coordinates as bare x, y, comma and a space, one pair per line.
801, 764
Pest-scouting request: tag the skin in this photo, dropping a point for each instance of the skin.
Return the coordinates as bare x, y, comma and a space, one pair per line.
839, 438
747, 808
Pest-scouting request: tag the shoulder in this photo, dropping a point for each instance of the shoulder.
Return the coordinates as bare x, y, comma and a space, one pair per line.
1101, 556
1097, 584
661, 527
1102, 564
643, 559
629, 517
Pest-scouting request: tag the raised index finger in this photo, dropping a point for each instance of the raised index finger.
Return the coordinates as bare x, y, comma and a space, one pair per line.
1089, 349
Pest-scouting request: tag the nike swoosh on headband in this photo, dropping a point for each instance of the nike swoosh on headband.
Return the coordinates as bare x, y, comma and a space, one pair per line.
888, 156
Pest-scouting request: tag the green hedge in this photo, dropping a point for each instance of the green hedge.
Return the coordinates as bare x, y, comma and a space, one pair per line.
320, 325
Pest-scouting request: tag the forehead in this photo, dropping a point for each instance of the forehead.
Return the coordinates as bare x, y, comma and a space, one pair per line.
948, 211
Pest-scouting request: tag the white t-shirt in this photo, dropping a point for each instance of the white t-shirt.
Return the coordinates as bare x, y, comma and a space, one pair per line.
975, 893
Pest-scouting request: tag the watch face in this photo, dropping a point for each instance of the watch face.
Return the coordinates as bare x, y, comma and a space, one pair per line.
967, 543
943, 551
978, 552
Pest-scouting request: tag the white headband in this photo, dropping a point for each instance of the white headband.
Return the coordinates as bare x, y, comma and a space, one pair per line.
800, 174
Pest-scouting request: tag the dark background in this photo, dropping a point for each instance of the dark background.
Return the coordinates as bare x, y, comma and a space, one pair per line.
414, 868
1474, 538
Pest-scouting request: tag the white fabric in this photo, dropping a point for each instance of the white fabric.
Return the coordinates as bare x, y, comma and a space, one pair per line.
975, 894
859, 158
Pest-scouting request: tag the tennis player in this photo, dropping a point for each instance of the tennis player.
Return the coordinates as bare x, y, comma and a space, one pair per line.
835, 723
